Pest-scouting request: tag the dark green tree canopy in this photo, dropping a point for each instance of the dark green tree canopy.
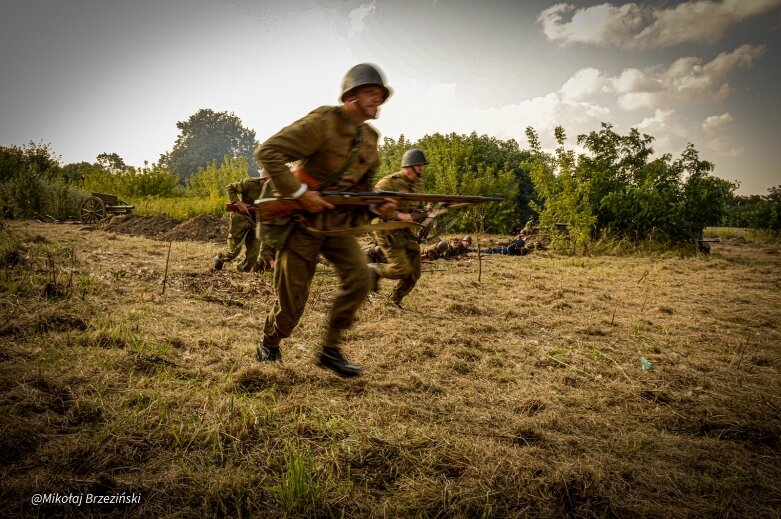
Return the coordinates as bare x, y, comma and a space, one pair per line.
209, 136
112, 162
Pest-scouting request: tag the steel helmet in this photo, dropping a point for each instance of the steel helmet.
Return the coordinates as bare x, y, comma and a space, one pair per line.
442, 246
467, 238
412, 157
363, 74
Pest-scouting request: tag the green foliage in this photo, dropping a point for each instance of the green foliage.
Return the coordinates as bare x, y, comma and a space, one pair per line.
29, 194
302, 489
755, 211
132, 182
179, 208
209, 136
563, 192
213, 180
36, 158
619, 190
111, 162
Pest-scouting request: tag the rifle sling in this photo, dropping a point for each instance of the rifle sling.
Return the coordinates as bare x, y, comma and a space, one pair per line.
361, 229
329, 181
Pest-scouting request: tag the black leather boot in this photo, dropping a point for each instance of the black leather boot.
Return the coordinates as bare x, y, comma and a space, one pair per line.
268, 353
331, 358
218, 263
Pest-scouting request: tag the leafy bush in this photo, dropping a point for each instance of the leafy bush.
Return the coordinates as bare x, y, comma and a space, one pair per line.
132, 182
619, 190
755, 211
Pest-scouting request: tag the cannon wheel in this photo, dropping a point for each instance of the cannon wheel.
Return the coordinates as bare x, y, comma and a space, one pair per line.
93, 210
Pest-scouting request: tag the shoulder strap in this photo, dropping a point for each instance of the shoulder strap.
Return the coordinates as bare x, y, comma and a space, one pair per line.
333, 179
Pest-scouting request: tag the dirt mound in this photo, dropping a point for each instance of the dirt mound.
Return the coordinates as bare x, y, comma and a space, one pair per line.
204, 227
149, 226
162, 227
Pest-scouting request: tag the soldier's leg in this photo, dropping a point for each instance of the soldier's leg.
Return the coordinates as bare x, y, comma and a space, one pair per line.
405, 286
238, 228
292, 277
251, 252
398, 264
350, 263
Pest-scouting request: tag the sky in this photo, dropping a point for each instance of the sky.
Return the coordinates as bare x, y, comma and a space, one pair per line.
115, 76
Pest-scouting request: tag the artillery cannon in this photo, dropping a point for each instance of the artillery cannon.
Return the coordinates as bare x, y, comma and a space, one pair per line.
99, 205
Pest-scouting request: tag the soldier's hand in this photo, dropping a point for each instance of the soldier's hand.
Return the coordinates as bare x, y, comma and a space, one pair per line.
313, 202
243, 208
387, 208
404, 217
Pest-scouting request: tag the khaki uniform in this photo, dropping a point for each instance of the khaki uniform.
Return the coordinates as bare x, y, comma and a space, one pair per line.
242, 227
322, 142
433, 253
400, 246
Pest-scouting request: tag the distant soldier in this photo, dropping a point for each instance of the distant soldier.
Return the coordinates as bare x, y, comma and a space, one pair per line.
445, 250
517, 247
466, 244
400, 246
242, 225
435, 251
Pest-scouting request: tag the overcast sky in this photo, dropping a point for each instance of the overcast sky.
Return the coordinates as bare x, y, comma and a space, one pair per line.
115, 76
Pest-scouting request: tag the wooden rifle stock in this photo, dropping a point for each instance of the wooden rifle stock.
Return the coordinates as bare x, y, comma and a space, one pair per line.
271, 208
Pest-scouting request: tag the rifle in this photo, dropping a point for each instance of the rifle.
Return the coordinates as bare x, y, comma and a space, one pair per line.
271, 208
233, 208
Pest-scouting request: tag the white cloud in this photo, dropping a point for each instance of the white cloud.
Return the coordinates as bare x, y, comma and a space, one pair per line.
583, 83
645, 26
685, 80
356, 18
717, 123
656, 123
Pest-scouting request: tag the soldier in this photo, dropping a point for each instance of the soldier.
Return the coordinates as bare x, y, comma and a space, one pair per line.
517, 247
333, 147
242, 226
466, 244
401, 246
435, 251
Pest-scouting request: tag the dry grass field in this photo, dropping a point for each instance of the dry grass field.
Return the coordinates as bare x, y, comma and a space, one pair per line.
521, 395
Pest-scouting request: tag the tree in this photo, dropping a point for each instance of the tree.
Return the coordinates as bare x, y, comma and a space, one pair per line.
36, 159
618, 190
208, 136
112, 163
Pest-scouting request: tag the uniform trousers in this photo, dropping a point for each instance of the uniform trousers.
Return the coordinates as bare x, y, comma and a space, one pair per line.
295, 267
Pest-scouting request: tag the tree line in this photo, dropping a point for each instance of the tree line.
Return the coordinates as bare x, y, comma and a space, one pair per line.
618, 189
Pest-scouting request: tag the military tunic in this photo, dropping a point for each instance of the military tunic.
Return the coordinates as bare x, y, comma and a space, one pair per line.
401, 246
322, 142
242, 227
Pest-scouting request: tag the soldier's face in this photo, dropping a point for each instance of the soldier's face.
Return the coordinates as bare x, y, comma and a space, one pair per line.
368, 100
414, 172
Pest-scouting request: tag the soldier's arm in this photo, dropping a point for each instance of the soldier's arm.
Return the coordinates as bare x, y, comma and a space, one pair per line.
301, 139
233, 189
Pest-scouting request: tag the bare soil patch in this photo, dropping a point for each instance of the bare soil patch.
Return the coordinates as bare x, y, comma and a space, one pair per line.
162, 227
